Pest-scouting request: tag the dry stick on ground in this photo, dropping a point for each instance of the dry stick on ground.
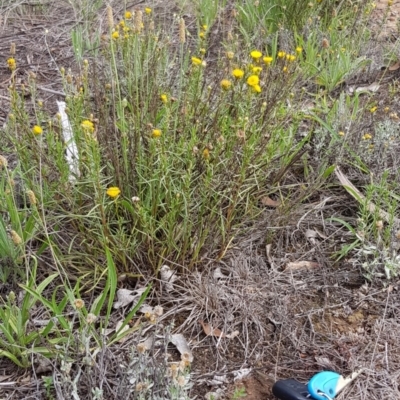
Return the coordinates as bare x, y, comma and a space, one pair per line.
361, 198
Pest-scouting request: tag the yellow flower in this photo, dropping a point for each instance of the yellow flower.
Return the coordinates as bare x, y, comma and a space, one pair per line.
281, 54
237, 73
156, 133
202, 50
206, 154
122, 24
299, 49
341, 133
256, 55
253, 80
115, 35
226, 84
285, 69
128, 15
87, 125
230, 55
202, 35
373, 109
290, 57
196, 61
367, 136
204, 27
164, 98
113, 192
12, 64
256, 70
256, 88
268, 60
148, 10
37, 130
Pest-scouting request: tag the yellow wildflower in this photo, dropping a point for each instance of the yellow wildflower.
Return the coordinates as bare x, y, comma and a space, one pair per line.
204, 27
196, 61
206, 154
202, 50
115, 35
230, 55
164, 98
202, 35
256, 55
341, 133
87, 125
12, 64
37, 130
156, 133
148, 10
290, 57
238, 73
367, 136
285, 69
268, 60
226, 84
281, 54
253, 80
113, 192
373, 109
299, 49
256, 70
128, 15
256, 88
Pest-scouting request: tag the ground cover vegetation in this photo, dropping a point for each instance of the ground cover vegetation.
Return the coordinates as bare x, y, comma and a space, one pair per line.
179, 131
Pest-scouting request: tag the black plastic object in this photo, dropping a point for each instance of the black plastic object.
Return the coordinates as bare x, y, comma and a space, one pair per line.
290, 389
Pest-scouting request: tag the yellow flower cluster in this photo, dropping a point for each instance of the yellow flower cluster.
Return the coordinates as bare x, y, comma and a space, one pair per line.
238, 73
87, 126
164, 98
156, 133
203, 31
12, 64
37, 130
226, 84
113, 192
198, 62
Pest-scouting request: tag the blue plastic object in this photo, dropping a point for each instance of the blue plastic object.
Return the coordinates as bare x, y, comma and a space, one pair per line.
323, 383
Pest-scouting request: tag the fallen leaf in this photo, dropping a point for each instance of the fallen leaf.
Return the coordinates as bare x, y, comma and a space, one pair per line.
373, 87
179, 341
395, 66
148, 343
217, 380
209, 331
126, 296
267, 201
298, 265
168, 277
241, 374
